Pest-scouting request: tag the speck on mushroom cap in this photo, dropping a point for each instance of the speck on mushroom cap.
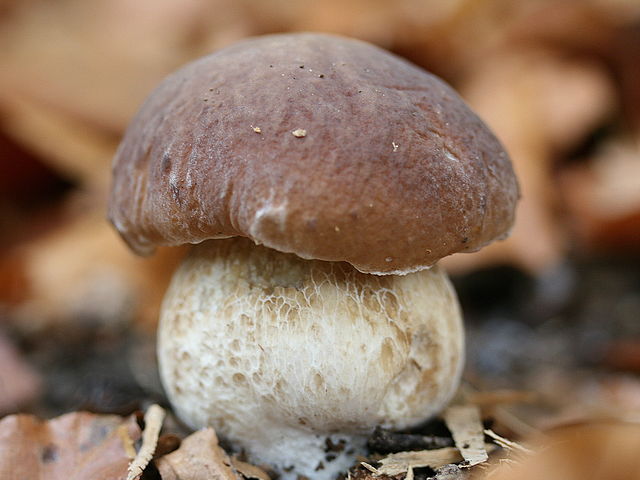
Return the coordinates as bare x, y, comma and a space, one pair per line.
393, 172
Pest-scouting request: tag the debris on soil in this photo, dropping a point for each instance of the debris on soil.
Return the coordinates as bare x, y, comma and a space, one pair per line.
450, 472
385, 441
299, 133
442, 449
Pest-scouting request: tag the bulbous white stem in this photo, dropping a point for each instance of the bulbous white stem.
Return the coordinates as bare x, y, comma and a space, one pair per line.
279, 353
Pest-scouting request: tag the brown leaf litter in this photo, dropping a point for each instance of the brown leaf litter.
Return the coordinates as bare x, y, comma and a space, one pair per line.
75, 446
200, 457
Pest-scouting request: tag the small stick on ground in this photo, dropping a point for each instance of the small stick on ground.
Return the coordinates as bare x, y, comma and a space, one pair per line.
153, 419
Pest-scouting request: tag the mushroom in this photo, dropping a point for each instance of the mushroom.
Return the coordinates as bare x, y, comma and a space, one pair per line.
321, 318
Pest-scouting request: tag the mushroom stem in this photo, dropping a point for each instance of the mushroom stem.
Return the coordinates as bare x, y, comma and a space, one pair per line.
280, 354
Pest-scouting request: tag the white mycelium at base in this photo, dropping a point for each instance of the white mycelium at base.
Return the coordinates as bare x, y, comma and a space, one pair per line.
278, 353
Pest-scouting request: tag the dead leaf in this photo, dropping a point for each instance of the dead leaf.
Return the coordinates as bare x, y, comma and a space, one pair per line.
72, 148
199, 457
82, 270
603, 198
96, 63
75, 446
249, 471
467, 430
537, 103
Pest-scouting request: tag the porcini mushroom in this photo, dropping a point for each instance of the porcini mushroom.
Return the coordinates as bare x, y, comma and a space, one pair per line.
325, 321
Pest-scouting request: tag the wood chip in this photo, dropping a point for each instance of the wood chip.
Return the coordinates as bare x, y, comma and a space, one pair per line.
256, 129
299, 133
468, 432
153, 419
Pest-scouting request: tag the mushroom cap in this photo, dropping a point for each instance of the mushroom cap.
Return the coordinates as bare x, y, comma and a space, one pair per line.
322, 146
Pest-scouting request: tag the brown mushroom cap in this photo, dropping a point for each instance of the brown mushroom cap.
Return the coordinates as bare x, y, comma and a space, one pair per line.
322, 146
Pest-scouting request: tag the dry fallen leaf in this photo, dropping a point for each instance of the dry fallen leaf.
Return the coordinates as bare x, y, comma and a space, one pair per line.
75, 446
603, 197
68, 145
249, 471
199, 457
96, 63
536, 102
81, 271
465, 425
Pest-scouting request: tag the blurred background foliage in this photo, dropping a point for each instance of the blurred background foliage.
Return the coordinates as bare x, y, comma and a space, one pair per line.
554, 310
